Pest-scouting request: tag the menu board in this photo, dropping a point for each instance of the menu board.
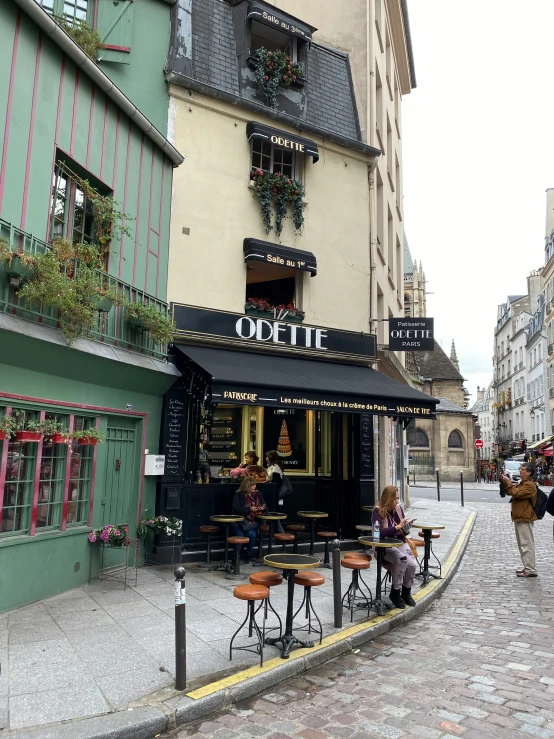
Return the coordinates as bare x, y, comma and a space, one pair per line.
224, 445
174, 432
366, 445
285, 431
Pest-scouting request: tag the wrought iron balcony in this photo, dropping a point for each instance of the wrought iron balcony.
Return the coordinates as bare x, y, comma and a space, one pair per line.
111, 328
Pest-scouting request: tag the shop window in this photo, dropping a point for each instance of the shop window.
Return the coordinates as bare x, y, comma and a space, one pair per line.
72, 213
287, 432
75, 10
19, 481
52, 480
272, 39
80, 476
455, 440
223, 441
417, 437
272, 158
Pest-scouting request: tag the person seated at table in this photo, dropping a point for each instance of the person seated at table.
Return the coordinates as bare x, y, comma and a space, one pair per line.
247, 502
399, 560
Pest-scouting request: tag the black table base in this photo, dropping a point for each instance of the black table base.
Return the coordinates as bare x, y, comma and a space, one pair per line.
425, 574
226, 565
379, 604
288, 640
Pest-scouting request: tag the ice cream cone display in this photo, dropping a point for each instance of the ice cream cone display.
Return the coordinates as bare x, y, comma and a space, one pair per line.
284, 448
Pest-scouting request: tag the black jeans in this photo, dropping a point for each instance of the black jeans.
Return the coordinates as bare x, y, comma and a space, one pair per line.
251, 534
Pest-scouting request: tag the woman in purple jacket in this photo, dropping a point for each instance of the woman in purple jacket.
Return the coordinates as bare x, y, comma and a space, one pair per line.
401, 561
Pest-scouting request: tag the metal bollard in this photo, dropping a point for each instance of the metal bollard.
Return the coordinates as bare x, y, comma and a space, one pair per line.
438, 485
337, 595
413, 473
462, 487
180, 630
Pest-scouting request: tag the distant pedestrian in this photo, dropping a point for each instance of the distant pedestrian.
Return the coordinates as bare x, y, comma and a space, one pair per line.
524, 498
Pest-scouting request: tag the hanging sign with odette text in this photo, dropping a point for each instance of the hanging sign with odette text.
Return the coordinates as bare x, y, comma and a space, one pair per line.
411, 334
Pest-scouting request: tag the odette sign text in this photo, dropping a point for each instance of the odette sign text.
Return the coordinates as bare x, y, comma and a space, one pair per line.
411, 334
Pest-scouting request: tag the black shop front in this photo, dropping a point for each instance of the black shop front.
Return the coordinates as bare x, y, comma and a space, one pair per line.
255, 382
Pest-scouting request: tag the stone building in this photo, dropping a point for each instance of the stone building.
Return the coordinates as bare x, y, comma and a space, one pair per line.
482, 408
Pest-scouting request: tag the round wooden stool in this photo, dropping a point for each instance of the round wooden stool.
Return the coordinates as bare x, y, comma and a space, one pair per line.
268, 580
309, 580
237, 541
283, 539
358, 555
328, 536
251, 593
209, 530
296, 528
353, 600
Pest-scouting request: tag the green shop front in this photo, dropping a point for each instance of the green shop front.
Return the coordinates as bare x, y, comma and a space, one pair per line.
260, 384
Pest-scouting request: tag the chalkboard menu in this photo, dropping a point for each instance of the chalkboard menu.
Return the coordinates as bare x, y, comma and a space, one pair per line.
224, 445
174, 432
366, 445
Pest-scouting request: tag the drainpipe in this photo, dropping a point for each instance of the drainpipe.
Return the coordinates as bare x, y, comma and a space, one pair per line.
371, 137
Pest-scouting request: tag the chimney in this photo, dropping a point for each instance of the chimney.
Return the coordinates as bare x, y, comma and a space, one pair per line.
480, 393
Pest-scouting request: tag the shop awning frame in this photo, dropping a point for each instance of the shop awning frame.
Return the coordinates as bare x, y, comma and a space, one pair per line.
276, 18
284, 256
255, 130
542, 442
248, 378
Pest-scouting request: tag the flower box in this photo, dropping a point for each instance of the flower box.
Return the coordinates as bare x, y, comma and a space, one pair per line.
135, 322
293, 319
59, 439
18, 270
2, 435
87, 441
26, 436
259, 313
104, 305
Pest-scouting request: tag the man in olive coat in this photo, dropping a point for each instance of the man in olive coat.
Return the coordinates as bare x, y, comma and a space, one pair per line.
524, 497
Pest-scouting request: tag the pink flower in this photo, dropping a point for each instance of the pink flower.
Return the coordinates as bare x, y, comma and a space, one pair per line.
117, 532
92, 537
104, 535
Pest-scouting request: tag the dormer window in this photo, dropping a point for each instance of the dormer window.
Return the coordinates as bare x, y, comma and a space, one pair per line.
272, 39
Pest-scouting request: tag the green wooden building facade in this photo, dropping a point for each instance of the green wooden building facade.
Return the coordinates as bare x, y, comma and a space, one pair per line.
63, 121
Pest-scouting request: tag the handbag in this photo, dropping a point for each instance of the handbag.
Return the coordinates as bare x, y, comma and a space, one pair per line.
247, 525
285, 489
411, 543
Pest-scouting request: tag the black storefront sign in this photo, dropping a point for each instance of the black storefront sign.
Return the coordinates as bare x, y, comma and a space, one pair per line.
271, 16
282, 139
411, 334
318, 401
239, 331
366, 445
174, 431
282, 256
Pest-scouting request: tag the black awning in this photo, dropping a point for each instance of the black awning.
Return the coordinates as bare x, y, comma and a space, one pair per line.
284, 139
282, 382
282, 256
280, 21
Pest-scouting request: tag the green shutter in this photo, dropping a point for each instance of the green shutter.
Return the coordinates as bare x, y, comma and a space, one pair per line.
115, 26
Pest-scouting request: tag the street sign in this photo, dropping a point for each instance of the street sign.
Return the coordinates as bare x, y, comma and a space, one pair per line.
478, 443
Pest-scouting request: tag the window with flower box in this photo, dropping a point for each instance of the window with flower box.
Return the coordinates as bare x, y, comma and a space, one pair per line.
45, 483
72, 10
272, 158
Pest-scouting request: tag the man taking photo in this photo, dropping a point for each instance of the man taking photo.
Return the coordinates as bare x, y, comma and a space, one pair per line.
524, 498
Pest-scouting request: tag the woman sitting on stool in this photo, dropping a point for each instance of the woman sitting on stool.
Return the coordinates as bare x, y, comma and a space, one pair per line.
247, 502
403, 563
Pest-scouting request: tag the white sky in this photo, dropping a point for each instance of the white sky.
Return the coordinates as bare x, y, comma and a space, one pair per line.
478, 156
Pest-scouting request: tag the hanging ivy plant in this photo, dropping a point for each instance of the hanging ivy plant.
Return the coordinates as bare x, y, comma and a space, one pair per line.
275, 188
272, 70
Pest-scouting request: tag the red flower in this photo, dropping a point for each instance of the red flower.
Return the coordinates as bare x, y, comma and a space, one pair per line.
296, 192
284, 76
294, 77
266, 78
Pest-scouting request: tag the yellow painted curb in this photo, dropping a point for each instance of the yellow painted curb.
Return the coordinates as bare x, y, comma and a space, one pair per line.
340, 635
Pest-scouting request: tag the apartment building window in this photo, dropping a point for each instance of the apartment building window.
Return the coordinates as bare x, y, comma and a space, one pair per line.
272, 158
76, 10
272, 39
72, 212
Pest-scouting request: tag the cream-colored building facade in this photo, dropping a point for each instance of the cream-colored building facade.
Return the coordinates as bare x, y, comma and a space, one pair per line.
353, 196
548, 283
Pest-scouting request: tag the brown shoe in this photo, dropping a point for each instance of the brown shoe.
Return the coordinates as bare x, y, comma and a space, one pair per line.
523, 573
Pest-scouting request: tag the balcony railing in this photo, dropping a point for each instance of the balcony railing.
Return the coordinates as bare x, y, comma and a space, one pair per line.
550, 349
111, 328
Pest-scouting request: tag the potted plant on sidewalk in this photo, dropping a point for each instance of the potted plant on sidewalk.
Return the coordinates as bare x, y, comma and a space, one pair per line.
88, 437
115, 536
7, 427
30, 431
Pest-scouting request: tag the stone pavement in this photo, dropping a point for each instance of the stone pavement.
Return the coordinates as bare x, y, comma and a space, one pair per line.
97, 649
478, 665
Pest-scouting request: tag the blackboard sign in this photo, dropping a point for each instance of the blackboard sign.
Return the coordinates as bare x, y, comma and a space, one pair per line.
175, 428
366, 445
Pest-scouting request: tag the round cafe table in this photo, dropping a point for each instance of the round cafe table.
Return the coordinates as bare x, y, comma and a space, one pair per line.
227, 519
427, 529
270, 517
380, 545
368, 508
314, 515
290, 564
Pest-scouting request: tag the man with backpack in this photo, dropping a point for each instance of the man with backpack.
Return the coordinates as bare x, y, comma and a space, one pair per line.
528, 505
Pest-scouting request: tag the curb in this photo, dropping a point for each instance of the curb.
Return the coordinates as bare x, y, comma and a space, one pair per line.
147, 721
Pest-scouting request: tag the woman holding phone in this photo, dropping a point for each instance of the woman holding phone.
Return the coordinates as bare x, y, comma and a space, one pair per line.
399, 560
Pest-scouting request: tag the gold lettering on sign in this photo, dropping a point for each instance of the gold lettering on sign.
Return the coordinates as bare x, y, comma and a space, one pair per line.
232, 395
287, 143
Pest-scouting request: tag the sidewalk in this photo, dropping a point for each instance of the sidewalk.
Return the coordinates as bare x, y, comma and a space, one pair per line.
492, 486
102, 650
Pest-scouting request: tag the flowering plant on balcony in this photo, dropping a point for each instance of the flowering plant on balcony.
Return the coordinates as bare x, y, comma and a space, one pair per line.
160, 525
116, 536
160, 326
7, 427
262, 307
272, 70
280, 190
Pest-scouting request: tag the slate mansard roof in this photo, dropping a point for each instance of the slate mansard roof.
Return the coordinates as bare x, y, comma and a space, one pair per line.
203, 56
437, 365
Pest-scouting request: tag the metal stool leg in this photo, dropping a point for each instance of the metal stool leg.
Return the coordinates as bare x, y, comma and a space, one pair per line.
307, 601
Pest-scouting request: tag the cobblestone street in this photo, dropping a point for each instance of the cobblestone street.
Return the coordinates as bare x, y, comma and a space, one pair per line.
478, 664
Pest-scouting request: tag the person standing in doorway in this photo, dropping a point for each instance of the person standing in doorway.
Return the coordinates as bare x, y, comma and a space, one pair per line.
275, 474
524, 498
